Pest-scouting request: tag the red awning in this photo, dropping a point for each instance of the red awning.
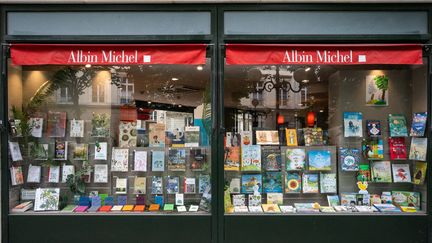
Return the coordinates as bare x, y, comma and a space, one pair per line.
256, 54
69, 54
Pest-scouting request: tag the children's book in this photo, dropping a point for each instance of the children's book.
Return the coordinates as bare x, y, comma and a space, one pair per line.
34, 174
406, 198
418, 125
333, 200
140, 185
205, 202
100, 173
271, 158
47, 199
401, 173
313, 136
54, 174
328, 183
348, 199
15, 151
177, 160
234, 185
60, 150
198, 159
232, 159
246, 138
239, 200
272, 182
251, 183
373, 128
255, 209
353, 124
179, 199
293, 182
177, 137
373, 149
140, 161
189, 185
270, 208
173, 184
192, 136
419, 172
254, 200
251, 158
101, 151
203, 183
100, 125
364, 173
287, 209
275, 198
397, 148
36, 125
157, 185
319, 160
267, 137
349, 159
76, 128
127, 134
158, 160
381, 171
418, 149
80, 151
397, 125
295, 159
17, 177
56, 124
310, 183
291, 137
156, 135
386, 208
120, 159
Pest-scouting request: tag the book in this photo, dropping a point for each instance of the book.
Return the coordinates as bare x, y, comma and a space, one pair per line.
401, 173
272, 182
313, 136
177, 160
36, 126
293, 182
69, 208
15, 151
373, 149
168, 207
328, 183
254, 200
189, 185
406, 198
295, 159
319, 160
66, 171
139, 208
120, 159
140, 200
121, 200
270, 208
127, 134
193, 208
418, 125
271, 159
255, 209
140, 185
47, 199
192, 136
205, 202
397, 125
251, 183
198, 160
365, 209
232, 159
80, 151
419, 172
76, 128
364, 173
287, 209
56, 127
156, 135
275, 198
158, 160
17, 177
156, 185
381, 171
34, 174
101, 124
349, 159
128, 208
291, 137
267, 137
100, 173
177, 137
54, 174
142, 137
203, 183
241, 209
101, 151
181, 209
353, 126
310, 183
239, 200
234, 185
373, 128
121, 185
179, 199
418, 149
159, 200
173, 185
251, 158
117, 208
333, 200
397, 148
348, 199
81, 209
38, 151
140, 160
15, 127
246, 138
105, 208
406, 209
60, 150
327, 209
386, 197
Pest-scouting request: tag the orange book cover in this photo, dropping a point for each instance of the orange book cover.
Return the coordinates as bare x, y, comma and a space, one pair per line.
105, 208
139, 208
128, 208
154, 207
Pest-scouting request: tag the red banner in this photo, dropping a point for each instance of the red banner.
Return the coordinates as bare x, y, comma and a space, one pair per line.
256, 54
69, 54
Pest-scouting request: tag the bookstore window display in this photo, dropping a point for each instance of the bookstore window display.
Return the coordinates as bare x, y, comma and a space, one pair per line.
325, 139
94, 139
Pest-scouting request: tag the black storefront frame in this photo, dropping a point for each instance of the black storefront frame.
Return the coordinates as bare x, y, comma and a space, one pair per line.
222, 228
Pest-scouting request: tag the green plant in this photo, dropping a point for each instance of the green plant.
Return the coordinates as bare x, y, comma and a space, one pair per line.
382, 84
76, 182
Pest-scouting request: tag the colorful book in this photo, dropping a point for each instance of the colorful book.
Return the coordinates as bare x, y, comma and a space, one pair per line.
364, 173
54, 174
239, 200
60, 150
100, 125
121, 185
17, 177
173, 184
158, 160
189, 185
313, 136
81, 209
254, 200
270, 208
271, 158
15, 151
100, 173
139, 208
295, 159
128, 208
140, 160
140, 185
267, 137
120, 159
251, 183
192, 136
105, 208
246, 138
387, 208
418, 125
80, 151
328, 183
275, 198
418, 149
310, 183
156, 135
272, 182
333, 200
353, 126
397, 125
36, 125
419, 172
38, 151
381, 171
232, 159
101, 151
177, 160
291, 137
69, 209
406, 198
76, 128
56, 127
349, 159
373, 149
401, 173
203, 183
251, 158
373, 128
34, 174
293, 182
157, 185
127, 134
397, 149
168, 207
348, 199
47, 199
198, 160
319, 160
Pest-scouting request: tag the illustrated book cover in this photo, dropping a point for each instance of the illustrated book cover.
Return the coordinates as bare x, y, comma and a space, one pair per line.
373, 149
397, 148
47, 199
80, 151
349, 159
157, 186
173, 184
251, 183
54, 174
267, 137
232, 159
353, 126
140, 160
127, 134
15, 151
177, 160
17, 177
198, 159
271, 158
418, 125
140, 185
418, 149
56, 127
295, 159
381, 171
313, 136
251, 158
158, 160
397, 125
156, 135
291, 137
401, 173
66, 171
100, 173
293, 182
310, 183
36, 125
373, 128
192, 136
120, 159
60, 150
319, 160
328, 183
272, 182
419, 172
76, 128
101, 151
34, 174
189, 185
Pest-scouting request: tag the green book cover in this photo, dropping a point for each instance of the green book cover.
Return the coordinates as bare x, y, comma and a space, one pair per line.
168, 207
102, 197
69, 208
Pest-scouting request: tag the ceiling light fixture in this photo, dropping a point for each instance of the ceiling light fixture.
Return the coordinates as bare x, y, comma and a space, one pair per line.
199, 68
307, 69
88, 65
174, 79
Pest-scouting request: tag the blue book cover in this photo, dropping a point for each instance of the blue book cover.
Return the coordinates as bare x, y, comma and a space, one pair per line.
251, 183
159, 200
96, 201
158, 160
272, 182
349, 159
353, 124
172, 186
121, 200
203, 183
373, 128
418, 125
84, 201
319, 160
157, 185
109, 201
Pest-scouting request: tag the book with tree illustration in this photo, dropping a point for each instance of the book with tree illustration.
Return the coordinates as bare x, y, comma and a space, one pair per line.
251, 158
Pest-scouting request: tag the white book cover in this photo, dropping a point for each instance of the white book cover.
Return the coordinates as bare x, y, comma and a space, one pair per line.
287, 209
179, 199
192, 136
241, 209
66, 171
15, 151
246, 138
101, 151
121, 186
140, 185
120, 159
36, 125
193, 208
140, 161
54, 174
181, 209
34, 174
76, 128
100, 173
189, 185
235, 185
401, 173
47, 199
239, 200
17, 177
255, 209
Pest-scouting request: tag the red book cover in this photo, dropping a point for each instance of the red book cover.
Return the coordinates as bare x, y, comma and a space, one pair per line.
56, 124
398, 149
105, 208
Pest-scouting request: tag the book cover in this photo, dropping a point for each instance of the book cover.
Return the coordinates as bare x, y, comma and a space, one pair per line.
381, 171
418, 125
251, 183
156, 135
406, 198
310, 183
140, 200
349, 159
189, 185
287, 209
295, 159
142, 137
275, 198
47, 199
397, 148
127, 134
101, 151
348, 199
158, 160
15, 151
251, 158
272, 182
246, 138
157, 185
229, 139
38, 151
168, 207
198, 159
328, 183
54, 174
203, 183
56, 127
179, 199
419, 172
270, 208
313, 136
291, 137
293, 182
177, 160
140, 185
60, 150
397, 125
177, 137
173, 184
66, 171
353, 124
128, 208
267, 137
17, 177
241, 209
364, 173
80, 151
373, 128
100, 125
100, 173
76, 128
377, 90
140, 160
192, 136
121, 185
373, 149
139, 208
36, 125
418, 149
401, 173
15, 127
271, 158
239, 200
120, 159
34, 174
69, 209
319, 160
234, 185
232, 159
254, 200
159, 200
255, 209
333, 200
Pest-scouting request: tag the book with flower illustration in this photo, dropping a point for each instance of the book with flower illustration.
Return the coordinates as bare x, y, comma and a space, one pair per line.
401, 173
293, 182
76, 128
319, 160
36, 125
272, 182
60, 150
381, 171
397, 125
127, 134
56, 127
291, 137
251, 158
373, 149
232, 159
198, 160
349, 159
271, 158
397, 148
419, 172
177, 160
251, 183
310, 183
80, 151
100, 125
418, 125
353, 124
267, 137
47, 199
140, 161
418, 149
120, 159
313, 136
295, 159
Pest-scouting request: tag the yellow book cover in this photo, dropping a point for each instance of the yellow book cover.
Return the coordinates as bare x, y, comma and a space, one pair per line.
291, 137
128, 208
270, 208
154, 207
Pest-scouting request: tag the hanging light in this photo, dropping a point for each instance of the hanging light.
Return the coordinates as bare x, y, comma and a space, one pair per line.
310, 119
280, 119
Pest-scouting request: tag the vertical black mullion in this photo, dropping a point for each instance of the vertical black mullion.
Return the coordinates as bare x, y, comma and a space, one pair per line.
429, 148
